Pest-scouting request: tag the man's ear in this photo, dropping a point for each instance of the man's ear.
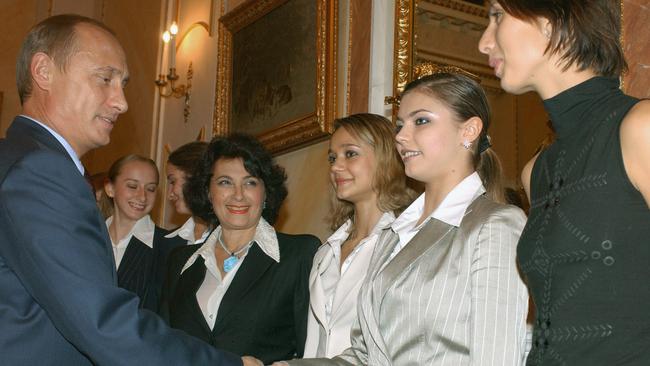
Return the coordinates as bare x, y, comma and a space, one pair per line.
41, 68
472, 129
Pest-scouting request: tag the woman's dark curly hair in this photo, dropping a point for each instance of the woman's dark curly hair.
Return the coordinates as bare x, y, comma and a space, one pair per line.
257, 162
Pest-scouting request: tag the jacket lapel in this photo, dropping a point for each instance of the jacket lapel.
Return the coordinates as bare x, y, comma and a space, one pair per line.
251, 270
433, 234
188, 284
370, 313
135, 269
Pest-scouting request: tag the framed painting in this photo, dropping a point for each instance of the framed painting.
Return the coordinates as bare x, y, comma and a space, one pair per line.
276, 73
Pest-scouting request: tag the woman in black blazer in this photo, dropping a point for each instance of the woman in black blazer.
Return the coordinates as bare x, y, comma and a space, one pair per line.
139, 247
245, 289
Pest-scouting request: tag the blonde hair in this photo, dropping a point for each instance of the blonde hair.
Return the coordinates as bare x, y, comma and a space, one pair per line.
390, 186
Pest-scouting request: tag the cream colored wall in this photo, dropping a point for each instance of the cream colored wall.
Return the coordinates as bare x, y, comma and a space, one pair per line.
137, 26
198, 46
306, 208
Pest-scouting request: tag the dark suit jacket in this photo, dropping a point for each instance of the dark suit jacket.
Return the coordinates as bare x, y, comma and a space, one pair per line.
142, 270
264, 310
59, 299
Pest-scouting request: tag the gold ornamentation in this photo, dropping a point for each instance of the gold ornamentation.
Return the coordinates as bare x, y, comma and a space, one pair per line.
429, 68
167, 86
403, 44
461, 6
292, 134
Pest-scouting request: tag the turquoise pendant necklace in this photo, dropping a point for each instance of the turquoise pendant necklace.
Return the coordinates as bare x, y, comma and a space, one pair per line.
233, 257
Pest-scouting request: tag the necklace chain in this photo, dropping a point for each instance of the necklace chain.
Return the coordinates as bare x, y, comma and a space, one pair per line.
238, 251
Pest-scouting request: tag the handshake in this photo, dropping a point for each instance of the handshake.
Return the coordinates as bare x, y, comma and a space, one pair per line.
252, 361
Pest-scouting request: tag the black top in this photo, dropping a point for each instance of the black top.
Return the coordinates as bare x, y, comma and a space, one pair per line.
585, 251
142, 270
264, 311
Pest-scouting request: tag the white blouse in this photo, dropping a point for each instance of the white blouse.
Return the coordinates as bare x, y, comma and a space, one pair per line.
334, 287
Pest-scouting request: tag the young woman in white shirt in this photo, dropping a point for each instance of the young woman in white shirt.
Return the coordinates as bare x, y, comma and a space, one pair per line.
180, 165
138, 244
442, 286
369, 183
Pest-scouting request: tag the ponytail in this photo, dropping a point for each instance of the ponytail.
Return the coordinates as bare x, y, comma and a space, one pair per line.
488, 166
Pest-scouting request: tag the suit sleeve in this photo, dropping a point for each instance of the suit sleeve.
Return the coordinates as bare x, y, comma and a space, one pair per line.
499, 296
62, 258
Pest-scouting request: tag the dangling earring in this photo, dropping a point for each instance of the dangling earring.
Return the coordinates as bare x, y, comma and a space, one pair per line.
264, 205
467, 144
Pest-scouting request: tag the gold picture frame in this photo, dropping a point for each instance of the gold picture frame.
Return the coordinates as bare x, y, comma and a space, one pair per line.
470, 13
262, 89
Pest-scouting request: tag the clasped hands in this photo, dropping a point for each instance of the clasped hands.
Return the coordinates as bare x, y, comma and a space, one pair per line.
252, 361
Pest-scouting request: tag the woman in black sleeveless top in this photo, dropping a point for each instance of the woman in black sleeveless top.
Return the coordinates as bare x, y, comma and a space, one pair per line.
585, 251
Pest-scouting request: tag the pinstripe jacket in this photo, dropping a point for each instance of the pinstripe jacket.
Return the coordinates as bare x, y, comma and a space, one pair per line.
452, 296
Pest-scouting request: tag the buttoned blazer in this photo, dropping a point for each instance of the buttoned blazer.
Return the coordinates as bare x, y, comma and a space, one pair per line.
337, 328
264, 311
452, 296
60, 303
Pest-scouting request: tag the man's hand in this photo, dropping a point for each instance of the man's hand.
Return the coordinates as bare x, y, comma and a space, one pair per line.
251, 361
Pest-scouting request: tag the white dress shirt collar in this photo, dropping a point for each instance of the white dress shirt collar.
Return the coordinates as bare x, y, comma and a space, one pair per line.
341, 234
265, 238
186, 231
63, 142
451, 210
143, 230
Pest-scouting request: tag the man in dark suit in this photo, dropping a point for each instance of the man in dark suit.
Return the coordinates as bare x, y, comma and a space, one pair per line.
59, 302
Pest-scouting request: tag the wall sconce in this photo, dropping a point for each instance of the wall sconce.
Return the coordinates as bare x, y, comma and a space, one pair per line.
177, 91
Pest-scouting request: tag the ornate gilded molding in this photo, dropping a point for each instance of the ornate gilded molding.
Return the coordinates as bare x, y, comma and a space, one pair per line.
292, 134
460, 6
348, 81
407, 52
403, 60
